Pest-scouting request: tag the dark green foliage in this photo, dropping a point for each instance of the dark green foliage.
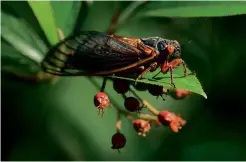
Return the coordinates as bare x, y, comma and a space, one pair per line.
60, 122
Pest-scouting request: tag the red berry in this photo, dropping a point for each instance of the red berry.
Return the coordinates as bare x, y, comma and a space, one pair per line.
174, 121
118, 141
157, 90
132, 104
165, 117
121, 86
142, 126
101, 101
179, 93
141, 87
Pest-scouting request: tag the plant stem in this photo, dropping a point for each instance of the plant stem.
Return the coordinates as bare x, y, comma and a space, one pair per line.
23, 47
147, 117
150, 107
112, 27
118, 122
119, 19
103, 84
127, 13
141, 115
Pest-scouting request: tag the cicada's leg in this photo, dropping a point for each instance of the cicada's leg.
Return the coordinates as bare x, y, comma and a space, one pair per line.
136, 70
171, 73
152, 67
169, 66
161, 97
184, 67
174, 63
177, 62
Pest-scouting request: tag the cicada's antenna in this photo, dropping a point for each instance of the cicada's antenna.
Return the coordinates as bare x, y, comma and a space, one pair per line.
183, 45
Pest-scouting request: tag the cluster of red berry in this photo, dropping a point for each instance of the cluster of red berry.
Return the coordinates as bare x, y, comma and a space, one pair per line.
142, 122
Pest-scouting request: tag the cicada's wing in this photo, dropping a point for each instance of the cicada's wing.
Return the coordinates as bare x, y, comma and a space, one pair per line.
89, 53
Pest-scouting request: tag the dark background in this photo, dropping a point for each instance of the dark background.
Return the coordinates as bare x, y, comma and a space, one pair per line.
41, 121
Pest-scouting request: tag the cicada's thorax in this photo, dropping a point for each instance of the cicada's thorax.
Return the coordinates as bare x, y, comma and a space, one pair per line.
158, 44
152, 42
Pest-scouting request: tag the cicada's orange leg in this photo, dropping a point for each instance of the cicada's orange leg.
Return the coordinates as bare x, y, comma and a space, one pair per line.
169, 66
152, 67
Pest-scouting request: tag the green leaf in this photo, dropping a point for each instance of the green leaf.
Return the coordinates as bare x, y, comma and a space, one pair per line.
23, 47
19, 27
192, 9
44, 14
66, 14
190, 82
14, 61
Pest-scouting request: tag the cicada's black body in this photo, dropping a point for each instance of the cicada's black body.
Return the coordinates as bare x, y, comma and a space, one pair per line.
95, 53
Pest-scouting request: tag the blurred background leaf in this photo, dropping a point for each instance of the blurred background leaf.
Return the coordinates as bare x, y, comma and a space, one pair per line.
23, 12
16, 31
45, 16
192, 9
60, 122
66, 14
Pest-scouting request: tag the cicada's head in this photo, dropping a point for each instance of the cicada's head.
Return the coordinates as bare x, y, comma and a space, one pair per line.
170, 49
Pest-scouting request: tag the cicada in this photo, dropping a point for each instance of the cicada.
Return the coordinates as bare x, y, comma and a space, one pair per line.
93, 53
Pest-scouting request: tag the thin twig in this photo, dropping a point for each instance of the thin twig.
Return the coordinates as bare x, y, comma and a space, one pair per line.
118, 122
104, 84
112, 27
135, 115
120, 18
150, 107
127, 13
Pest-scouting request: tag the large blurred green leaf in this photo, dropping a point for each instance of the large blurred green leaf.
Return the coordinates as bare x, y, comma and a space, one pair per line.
14, 25
21, 45
27, 42
66, 14
44, 13
21, 11
192, 9
13, 61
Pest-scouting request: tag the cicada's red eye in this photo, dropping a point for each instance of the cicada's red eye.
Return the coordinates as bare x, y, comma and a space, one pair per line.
170, 49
